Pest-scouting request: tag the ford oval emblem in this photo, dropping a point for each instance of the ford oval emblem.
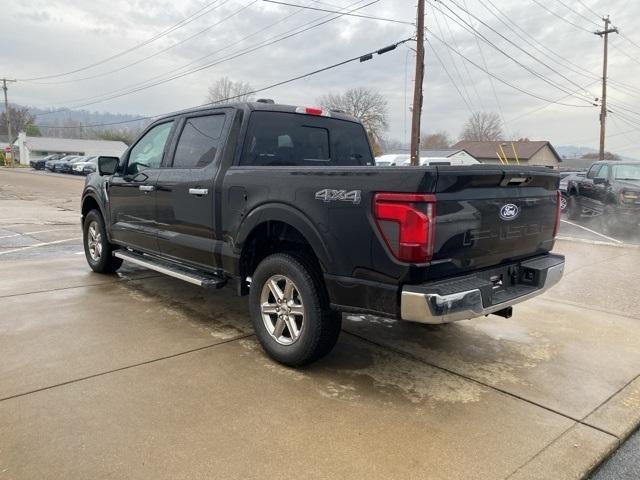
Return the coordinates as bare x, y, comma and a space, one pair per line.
509, 211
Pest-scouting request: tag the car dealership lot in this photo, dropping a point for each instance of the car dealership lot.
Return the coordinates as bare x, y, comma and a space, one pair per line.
138, 375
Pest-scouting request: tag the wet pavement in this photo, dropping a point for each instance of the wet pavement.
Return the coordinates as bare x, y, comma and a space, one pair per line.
138, 375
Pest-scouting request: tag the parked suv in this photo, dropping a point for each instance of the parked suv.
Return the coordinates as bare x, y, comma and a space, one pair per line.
286, 204
610, 190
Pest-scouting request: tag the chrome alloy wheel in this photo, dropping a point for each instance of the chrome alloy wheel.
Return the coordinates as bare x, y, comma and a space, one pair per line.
282, 309
94, 241
563, 203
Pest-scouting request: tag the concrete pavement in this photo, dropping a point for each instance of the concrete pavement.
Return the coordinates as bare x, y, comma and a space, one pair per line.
137, 375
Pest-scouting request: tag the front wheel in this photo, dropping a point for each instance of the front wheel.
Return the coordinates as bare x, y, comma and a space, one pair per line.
97, 248
290, 310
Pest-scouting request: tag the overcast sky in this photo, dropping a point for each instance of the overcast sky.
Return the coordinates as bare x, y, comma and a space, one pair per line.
48, 37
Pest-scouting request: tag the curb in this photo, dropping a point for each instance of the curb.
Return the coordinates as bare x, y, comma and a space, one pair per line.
581, 449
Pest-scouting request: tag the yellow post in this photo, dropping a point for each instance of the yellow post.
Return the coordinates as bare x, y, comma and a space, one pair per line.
515, 154
504, 154
500, 158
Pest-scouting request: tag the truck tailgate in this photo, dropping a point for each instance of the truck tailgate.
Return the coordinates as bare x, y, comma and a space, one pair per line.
490, 215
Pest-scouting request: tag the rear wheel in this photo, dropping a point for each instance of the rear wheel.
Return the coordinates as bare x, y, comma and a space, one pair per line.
290, 310
97, 248
574, 211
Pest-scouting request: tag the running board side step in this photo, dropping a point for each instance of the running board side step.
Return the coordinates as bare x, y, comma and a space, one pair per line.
172, 269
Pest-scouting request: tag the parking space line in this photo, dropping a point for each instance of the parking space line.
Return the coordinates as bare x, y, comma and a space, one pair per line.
6, 252
591, 231
39, 231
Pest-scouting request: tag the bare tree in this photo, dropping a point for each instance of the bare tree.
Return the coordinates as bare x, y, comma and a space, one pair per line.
225, 90
21, 120
366, 105
433, 141
482, 126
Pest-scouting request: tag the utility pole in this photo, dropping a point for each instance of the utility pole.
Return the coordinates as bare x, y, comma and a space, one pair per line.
603, 101
7, 116
417, 91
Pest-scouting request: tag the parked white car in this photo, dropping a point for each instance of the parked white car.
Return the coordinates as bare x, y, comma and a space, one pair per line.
79, 167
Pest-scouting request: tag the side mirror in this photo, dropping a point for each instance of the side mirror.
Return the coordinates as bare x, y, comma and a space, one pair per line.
599, 181
108, 165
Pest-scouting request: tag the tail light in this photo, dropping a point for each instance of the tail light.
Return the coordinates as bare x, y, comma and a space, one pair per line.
406, 222
558, 210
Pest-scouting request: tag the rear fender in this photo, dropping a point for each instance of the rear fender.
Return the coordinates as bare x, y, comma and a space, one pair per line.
290, 216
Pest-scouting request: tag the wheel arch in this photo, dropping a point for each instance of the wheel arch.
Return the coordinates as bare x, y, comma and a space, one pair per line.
277, 228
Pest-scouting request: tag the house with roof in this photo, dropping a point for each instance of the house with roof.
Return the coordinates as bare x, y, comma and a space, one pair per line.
524, 152
31, 148
456, 153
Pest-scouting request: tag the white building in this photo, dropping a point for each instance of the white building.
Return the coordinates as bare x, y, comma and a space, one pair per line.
30, 148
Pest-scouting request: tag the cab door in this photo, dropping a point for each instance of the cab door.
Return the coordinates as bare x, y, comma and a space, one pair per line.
601, 186
132, 191
185, 190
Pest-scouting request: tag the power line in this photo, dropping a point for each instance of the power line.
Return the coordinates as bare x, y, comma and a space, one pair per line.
501, 80
577, 13
467, 101
148, 57
526, 114
450, 77
567, 62
194, 62
197, 14
486, 67
533, 57
360, 58
561, 17
474, 31
124, 92
393, 20
589, 8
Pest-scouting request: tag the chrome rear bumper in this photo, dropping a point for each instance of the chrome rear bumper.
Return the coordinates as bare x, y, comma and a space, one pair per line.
419, 305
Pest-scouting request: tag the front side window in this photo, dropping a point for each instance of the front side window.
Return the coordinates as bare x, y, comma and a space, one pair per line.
603, 172
593, 171
199, 141
149, 150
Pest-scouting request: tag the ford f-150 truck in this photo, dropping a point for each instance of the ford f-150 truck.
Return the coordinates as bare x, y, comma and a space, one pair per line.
611, 191
286, 204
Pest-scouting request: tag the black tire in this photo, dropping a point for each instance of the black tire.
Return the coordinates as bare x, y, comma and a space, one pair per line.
574, 211
320, 326
97, 248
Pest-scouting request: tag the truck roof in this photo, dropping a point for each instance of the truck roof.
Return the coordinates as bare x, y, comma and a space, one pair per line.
262, 106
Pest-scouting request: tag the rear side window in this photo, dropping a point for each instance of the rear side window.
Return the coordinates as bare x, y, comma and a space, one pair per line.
199, 141
289, 139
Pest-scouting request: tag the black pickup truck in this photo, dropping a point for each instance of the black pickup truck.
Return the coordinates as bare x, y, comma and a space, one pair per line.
610, 191
286, 204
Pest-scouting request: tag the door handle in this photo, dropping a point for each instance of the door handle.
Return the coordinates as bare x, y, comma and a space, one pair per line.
146, 188
198, 191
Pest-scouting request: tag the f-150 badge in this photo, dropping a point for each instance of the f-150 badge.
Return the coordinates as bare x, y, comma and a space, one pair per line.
328, 195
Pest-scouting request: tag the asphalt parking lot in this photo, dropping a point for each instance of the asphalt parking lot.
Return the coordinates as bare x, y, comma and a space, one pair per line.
138, 375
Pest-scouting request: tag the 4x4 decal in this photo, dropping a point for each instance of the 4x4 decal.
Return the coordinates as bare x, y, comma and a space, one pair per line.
328, 195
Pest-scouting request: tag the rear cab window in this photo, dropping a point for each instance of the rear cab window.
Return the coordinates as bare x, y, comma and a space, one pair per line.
292, 139
199, 141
